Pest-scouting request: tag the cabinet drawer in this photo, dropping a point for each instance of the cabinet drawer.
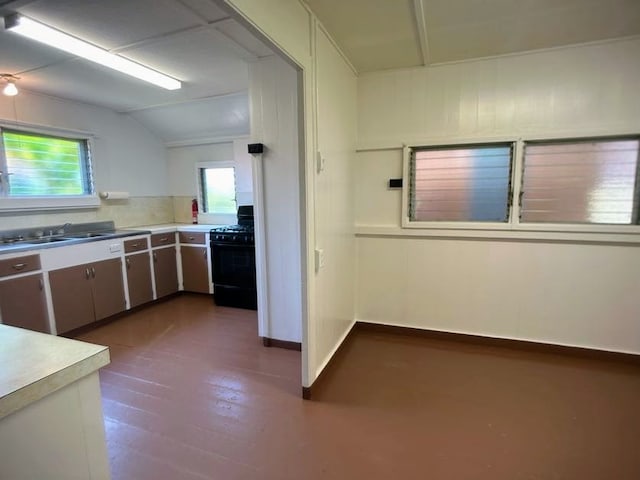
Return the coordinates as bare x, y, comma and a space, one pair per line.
192, 237
135, 245
17, 265
160, 239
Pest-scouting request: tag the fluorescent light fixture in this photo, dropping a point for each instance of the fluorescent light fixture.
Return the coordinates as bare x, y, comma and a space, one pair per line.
55, 38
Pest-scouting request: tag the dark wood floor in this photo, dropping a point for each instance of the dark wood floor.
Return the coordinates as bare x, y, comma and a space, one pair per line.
192, 394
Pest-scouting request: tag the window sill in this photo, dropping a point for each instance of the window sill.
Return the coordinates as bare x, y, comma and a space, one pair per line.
630, 238
218, 218
25, 204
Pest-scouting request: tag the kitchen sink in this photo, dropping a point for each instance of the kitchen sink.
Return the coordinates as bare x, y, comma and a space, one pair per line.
47, 240
55, 235
86, 235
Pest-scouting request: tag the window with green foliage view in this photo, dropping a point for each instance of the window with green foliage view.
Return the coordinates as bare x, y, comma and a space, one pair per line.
218, 187
35, 165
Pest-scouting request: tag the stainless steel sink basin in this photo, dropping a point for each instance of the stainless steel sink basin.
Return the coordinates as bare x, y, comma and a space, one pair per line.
47, 240
86, 235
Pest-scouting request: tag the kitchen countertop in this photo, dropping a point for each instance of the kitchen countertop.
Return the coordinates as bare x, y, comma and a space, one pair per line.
182, 227
25, 246
35, 365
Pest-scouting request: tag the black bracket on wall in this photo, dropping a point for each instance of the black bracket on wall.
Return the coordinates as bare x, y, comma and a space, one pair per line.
256, 148
395, 183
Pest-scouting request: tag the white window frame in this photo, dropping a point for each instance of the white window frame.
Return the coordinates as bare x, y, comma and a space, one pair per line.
406, 186
49, 202
209, 217
406, 216
513, 225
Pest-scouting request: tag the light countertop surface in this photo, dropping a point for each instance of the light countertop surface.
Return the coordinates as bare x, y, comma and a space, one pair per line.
181, 227
33, 365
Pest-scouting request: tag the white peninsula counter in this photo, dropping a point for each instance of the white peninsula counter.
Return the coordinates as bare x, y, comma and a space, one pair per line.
51, 423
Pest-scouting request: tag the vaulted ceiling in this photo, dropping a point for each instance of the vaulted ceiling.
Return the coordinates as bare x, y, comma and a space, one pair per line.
386, 34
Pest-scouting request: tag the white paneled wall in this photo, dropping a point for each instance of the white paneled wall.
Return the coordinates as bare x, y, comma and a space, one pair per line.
584, 295
273, 96
336, 112
123, 150
564, 293
571, 90
182, 163
126, 157
325, 80
285, 22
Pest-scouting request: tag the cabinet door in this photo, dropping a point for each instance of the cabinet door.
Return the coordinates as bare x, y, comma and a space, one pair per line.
195, 269
23, 303
165, 271
71, 297
108, 288
139, 279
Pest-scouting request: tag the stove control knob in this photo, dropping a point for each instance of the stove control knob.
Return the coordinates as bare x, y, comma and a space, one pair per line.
235, 238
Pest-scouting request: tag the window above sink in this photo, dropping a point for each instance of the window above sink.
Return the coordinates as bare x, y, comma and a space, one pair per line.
41, 170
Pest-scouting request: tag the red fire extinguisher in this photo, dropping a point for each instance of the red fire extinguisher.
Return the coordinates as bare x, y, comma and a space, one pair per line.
194, 211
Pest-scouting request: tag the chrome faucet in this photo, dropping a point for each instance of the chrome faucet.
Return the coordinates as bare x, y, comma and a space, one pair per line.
62, 229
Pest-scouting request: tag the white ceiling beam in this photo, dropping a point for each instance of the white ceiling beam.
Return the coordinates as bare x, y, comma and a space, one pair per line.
421, 26
186, 8
202, 24
164, 36
192, 142
183, 102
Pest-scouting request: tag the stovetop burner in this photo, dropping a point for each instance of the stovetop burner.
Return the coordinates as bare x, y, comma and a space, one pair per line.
233, 235
240, 234
233, 229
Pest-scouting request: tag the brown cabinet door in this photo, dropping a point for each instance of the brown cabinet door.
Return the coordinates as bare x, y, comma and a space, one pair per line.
195, 269
139, 279
23, 303
71, 297
165, 271
108, 288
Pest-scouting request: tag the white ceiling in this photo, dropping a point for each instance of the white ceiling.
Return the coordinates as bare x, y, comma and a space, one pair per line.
385, 34
195, 41
198, 42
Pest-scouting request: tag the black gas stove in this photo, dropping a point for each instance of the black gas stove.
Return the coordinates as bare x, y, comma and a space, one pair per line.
233, 261
233, 234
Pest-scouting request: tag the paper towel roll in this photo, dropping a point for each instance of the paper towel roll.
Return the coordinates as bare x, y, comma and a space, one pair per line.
114, 195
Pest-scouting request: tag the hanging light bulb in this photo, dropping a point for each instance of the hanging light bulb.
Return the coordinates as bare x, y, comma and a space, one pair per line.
10, 89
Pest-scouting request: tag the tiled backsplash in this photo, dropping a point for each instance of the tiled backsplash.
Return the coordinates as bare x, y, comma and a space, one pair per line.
182, 209
132, 212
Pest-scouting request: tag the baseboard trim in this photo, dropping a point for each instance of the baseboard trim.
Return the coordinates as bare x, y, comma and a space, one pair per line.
510, 343
274, 342
514, 344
